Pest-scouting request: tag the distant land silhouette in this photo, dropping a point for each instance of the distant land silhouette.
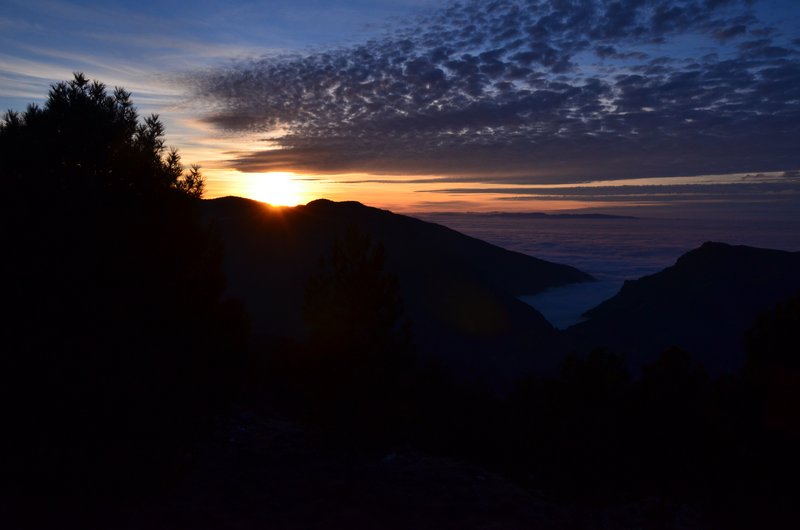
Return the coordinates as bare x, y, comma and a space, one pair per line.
538, 215
459, 292
704, 304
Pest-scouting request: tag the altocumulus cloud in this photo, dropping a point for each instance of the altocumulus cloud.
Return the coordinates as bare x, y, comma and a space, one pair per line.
544, 90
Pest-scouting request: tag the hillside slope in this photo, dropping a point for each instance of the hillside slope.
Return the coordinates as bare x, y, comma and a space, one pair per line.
704, 304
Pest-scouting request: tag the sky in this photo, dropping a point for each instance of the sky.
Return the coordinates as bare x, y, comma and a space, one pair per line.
432, 105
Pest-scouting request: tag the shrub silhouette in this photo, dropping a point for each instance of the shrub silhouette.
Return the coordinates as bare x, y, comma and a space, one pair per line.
773, 365
85, 140
359, 358
772, 386
120, 350
569, 430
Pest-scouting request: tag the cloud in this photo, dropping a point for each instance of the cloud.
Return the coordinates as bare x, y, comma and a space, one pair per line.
626, 192
553, 90
765, 192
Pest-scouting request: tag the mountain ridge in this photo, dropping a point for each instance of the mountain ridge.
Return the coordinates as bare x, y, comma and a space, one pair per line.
703, 303
459, 292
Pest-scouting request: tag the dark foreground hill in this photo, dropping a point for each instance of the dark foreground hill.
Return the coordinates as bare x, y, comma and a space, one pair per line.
458, 292
703, 304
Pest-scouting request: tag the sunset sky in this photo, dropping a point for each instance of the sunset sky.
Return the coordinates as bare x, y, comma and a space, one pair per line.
428, 105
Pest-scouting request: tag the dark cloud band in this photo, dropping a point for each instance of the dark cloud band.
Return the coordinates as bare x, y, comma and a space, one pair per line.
557, 90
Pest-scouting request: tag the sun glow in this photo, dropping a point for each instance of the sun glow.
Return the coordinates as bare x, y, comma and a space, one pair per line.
277, 188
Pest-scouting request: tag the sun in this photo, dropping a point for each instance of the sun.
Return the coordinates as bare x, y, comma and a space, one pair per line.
277, 188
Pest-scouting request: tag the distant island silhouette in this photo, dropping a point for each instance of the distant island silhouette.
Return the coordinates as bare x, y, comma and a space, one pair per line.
537, 215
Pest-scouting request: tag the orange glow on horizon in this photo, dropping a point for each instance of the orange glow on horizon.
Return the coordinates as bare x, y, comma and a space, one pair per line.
398, 194
275, 188
432, 193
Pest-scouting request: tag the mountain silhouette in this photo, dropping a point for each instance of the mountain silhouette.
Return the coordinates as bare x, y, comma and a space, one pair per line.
459, 292
703, 304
